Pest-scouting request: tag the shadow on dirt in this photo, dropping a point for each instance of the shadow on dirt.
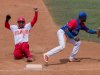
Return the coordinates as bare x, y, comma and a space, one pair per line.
65, 61
91, 59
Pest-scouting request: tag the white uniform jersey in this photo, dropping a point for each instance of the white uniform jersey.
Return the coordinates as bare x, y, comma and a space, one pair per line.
21, 35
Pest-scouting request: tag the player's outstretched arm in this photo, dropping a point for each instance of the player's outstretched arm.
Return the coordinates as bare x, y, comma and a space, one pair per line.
35, 17
95, 32
7, 25
90, 31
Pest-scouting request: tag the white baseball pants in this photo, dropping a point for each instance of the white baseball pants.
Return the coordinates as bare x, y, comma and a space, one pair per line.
62, 43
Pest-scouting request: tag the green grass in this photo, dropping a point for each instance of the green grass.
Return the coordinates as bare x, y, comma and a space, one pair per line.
64, 10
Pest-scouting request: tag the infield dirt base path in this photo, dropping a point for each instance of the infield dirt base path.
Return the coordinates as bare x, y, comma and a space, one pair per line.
42, 38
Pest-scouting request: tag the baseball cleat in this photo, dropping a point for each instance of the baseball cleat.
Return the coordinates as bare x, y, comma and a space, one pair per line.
45, 59
74, 60
29, 59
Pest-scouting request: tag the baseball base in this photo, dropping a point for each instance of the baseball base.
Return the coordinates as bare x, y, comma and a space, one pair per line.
34, 67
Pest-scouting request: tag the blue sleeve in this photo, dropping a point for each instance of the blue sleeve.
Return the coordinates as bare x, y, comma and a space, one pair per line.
68, 33
91, 31
88, 30
85, 28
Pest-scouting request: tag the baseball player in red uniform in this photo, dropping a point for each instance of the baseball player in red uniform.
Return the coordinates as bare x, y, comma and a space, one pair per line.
70, 31
21, 36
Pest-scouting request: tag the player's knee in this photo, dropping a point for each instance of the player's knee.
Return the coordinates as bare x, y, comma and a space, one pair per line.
18, 56
78, 43
62, 47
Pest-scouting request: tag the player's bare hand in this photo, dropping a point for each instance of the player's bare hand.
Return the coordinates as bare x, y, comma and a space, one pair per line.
77, 39
66, 30
8, 17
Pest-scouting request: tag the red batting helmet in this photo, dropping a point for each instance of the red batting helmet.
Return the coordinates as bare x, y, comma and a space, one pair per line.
21, 19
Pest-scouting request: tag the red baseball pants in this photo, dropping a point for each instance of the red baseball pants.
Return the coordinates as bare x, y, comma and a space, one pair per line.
22, 50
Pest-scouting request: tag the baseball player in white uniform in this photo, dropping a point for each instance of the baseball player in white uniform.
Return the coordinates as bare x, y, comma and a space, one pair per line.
21, 36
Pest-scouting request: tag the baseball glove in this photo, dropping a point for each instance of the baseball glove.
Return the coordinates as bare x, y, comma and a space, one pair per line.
98, 32
8, 17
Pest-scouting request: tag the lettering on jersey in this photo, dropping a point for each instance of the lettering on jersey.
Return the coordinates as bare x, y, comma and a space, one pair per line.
18, 32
